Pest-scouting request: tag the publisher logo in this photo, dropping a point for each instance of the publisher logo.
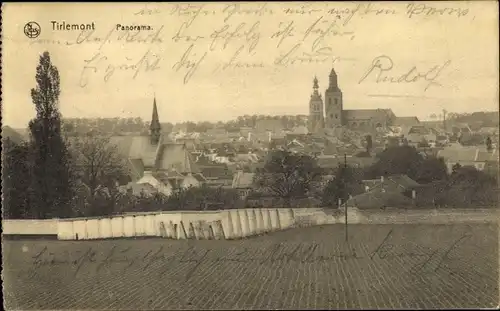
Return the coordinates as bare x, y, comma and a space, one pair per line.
32, 30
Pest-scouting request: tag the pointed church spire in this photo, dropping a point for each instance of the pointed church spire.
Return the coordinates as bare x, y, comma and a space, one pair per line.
315, 86
333, 80
155, 126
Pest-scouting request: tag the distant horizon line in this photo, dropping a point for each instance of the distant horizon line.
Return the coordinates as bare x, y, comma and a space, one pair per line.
235, 119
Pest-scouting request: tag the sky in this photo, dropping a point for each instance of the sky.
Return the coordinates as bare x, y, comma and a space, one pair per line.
219, 61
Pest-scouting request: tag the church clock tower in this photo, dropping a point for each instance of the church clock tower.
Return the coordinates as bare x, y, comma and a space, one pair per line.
316, 119
333, 102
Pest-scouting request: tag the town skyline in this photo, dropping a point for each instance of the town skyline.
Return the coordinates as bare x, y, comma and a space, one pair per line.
251, 75
10, 119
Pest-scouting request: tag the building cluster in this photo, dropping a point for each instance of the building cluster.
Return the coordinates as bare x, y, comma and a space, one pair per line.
163, 161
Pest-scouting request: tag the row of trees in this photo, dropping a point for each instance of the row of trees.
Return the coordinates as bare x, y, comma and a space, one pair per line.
78, 126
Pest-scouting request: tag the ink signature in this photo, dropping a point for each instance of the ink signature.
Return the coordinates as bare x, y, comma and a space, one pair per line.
382, 65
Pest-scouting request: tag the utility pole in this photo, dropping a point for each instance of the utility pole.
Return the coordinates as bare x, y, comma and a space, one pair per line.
345, 200
444, 119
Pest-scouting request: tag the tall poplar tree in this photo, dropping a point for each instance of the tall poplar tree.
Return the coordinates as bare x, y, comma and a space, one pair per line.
50, 191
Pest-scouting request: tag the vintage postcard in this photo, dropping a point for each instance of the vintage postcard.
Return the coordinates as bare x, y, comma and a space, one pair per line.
250, 155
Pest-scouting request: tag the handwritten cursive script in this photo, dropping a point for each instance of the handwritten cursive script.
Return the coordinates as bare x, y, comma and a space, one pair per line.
382, 66
422, 259
431, 259
190, 62
100, 63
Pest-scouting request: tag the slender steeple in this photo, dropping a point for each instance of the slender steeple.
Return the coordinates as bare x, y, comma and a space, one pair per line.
333, 80
315, 86
155, 127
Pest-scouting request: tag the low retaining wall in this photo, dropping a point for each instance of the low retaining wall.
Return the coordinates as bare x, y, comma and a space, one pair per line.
355, 216
229, 224
29, 227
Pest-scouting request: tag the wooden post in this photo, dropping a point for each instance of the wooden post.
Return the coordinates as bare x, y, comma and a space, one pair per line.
345, 203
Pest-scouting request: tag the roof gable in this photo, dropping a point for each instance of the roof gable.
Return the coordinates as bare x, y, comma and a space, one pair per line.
363, 114
175, 157
243, 180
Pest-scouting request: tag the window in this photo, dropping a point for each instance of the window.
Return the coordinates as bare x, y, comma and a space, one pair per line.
336, 116
336, 101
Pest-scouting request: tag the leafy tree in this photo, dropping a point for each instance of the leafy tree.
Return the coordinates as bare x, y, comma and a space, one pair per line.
407, 160
455, 168
347, 181
369, 143
489, 146
396, 160
15, 178
431, 169
203, 198
98, 163
51, 187
470, 187
287, 175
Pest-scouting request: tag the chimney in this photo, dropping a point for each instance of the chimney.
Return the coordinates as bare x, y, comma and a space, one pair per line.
381, 178
270, 135
367, 188
249, 136
413, 194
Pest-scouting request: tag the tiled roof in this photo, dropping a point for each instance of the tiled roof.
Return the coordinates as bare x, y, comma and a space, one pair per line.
136, 147
199, 177
176, 157
136, 167
408, 121
416, 129
484, 155
243, 180
246, 157
269, 125
401, 181
216, 171
464, 154
142, 155
363, 114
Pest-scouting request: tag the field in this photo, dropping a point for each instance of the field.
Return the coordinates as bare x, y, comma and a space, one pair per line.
381, 266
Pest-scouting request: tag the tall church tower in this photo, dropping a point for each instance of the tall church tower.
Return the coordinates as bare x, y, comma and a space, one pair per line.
333, 102
316, 119
155, 127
